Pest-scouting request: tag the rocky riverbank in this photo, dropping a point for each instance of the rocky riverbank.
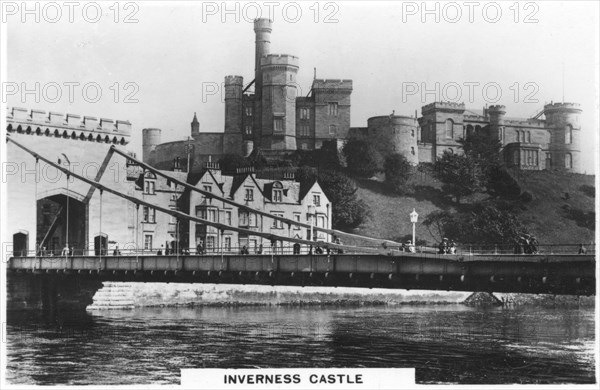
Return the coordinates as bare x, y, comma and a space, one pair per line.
117, 295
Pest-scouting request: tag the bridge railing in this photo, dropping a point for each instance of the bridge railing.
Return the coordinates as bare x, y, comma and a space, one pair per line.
321, 248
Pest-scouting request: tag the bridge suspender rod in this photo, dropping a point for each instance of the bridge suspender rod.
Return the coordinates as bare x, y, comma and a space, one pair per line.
179, 214
244, 207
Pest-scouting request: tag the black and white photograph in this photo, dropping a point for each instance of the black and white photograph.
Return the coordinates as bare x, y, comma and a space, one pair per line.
299, 195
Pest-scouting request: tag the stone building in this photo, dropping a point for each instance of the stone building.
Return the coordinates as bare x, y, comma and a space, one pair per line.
46, 213
549, 140
285, 198
276, 116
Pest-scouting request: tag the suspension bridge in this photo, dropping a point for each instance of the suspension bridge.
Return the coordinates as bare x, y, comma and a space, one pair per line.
38, 274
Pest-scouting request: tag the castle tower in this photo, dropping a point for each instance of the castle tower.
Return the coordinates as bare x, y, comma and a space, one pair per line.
563, 122
496, 114
195, 127
232, 139
395, 134
279, 102
262, 30
150, 139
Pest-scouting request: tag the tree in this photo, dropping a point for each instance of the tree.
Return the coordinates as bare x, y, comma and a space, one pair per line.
486, 225
397, 171
348, 211
362, 158
461, 175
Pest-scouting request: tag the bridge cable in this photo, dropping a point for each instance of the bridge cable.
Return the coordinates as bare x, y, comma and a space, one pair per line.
184, 216
244, 207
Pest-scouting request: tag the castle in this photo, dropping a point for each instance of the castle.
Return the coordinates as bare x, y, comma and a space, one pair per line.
274, 119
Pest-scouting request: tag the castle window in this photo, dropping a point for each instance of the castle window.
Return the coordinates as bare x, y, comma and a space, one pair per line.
248, 129
501, 134
317, 200
333, 108
304, 113
568, 135
528, 137
249, 195
332, 129
412, 132
516, 156
148, 242
276, 223
518, 133
248, 111
149, 215
278, 124
568, 161
244, 216
304, 130
449, 128
412, 150
278, 196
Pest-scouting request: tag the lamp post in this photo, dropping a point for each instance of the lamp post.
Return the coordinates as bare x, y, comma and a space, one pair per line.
413, 218
312, 212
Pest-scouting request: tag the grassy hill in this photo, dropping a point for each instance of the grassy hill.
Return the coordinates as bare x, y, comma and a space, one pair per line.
561, 209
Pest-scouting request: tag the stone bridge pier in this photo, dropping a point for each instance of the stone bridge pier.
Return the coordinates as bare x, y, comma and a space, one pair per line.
53, 293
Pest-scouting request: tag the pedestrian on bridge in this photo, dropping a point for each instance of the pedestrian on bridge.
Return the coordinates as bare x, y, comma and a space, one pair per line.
200, 248
582, 250
65, 251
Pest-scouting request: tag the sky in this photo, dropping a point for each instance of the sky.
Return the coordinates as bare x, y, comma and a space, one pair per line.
156, 63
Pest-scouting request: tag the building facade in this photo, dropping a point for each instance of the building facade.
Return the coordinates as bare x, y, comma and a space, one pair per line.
285, 198
46, 212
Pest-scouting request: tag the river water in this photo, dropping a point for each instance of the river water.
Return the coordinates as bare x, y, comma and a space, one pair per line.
446, 343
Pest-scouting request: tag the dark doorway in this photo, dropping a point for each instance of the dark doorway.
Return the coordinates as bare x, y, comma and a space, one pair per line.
52, 224
20, 243
101, 245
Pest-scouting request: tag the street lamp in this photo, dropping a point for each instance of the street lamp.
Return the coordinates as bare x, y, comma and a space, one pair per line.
413, 218
312, 211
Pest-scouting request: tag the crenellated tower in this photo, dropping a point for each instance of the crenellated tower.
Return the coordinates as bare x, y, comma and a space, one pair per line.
279, 101
563, 122
496, 114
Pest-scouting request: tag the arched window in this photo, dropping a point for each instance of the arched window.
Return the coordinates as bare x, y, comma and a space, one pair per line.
568, 135
449, 128
568, 161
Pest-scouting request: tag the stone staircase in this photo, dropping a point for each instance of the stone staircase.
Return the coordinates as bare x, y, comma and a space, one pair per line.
113, 296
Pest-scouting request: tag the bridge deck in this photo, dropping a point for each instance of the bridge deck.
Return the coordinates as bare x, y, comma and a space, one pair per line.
559, 274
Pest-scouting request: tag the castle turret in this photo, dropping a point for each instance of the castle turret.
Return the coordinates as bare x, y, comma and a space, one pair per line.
496, 114
195, 127
150, 139
232, 140
395, 134
563, 122
262, 30
279, 102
